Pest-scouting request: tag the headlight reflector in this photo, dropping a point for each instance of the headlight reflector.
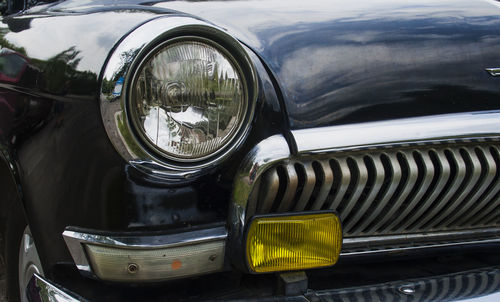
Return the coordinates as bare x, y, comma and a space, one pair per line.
188, 100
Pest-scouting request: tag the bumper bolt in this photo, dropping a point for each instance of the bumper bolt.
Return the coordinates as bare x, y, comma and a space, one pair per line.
132, 268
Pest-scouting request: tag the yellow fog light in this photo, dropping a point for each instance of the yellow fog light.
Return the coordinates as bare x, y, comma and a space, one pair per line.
286, 243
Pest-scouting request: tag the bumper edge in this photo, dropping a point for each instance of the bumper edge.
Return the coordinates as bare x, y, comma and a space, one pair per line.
40, 289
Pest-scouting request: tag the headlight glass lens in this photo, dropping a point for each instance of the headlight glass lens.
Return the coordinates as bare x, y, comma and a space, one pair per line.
188, 100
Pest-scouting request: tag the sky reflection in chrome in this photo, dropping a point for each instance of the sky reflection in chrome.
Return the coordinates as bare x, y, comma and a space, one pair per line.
188, 100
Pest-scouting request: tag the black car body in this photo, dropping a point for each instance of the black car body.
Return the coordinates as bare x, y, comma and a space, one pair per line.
387, 113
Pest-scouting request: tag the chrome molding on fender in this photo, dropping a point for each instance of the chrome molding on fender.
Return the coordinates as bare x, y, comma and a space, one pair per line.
142, 258
493, 71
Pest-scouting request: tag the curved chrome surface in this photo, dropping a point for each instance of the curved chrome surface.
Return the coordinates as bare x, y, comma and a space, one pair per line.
29, 262
493, 71
40, 289
264, 154
76, 239
446, 127
430, 132
356, 246
118, 72
409, 189
475, 285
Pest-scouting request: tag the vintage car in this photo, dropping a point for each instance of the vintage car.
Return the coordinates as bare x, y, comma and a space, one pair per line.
250, 150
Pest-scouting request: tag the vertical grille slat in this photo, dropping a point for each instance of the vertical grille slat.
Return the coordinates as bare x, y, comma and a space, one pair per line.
412, 189
269, 192
449, 191
393, 179
475, 172
309, 182
495, 204
427, 169
460, 191
291, 188
493, 215
326, 185
360, 183
379, 172
345, 180
443, 174
392, 195
492, 191
490, 170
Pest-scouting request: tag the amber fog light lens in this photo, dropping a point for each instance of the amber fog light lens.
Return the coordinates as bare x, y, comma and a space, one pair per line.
188, 100
288, 243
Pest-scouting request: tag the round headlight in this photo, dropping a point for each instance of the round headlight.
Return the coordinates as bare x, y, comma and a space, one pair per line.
188, 100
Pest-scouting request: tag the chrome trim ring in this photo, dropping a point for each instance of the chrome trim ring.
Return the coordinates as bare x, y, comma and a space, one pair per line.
171, 42
118, 75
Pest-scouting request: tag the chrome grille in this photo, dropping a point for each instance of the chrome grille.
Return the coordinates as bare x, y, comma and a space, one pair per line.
411, 189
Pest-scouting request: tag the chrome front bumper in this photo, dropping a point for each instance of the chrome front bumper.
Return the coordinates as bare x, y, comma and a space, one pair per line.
40, 289
480, 285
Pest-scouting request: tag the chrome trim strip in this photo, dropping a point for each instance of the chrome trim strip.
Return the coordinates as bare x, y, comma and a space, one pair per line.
472, 235
493, 71
421, 247
118, 72
264, 154
446, 127
40, 289
75, 241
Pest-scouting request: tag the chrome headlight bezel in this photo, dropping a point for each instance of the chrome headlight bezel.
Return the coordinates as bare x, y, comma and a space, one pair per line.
117, 78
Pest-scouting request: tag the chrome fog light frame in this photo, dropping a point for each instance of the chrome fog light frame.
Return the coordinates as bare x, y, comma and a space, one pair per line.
118, 75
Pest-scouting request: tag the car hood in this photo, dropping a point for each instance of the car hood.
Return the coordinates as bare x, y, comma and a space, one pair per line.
339, 62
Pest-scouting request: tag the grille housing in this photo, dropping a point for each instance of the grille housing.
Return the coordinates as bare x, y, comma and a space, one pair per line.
395, 190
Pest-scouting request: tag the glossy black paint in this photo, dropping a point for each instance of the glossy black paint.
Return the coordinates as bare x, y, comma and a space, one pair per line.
331, 63
51, 130
68, 171
344, 62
